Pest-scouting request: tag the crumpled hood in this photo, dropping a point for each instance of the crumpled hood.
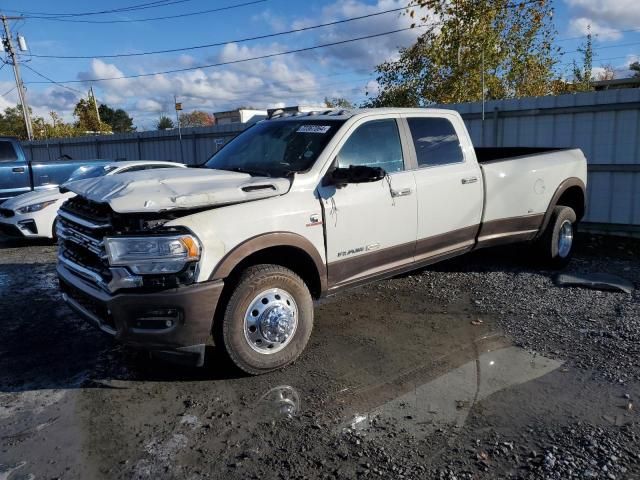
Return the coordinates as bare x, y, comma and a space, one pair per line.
176, 188
31, 198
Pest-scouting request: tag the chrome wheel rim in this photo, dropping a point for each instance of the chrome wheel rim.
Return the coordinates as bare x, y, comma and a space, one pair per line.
565, 239
271, 321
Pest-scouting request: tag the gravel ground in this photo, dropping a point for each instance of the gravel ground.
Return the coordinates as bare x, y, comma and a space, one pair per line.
591, 329
396, 383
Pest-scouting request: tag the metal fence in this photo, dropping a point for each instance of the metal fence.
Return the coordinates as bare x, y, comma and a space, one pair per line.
195, 146
605, 125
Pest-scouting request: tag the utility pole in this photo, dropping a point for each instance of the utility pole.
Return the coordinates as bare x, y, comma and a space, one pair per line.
95, 104
178, 107
22, 95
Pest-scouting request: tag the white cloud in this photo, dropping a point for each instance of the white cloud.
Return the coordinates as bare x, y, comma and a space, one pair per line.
275, 22
302, 78
582, 26
612, 14
362, 55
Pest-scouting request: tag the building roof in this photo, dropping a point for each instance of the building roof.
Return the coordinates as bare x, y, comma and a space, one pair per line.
616, 83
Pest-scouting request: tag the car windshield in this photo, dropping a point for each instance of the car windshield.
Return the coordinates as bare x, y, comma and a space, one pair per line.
90, 171
276, 148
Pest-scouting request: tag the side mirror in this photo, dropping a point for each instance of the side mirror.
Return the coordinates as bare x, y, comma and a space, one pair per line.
355, 174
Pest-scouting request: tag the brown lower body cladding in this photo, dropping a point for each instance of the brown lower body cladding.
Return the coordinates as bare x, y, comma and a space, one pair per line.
408, 256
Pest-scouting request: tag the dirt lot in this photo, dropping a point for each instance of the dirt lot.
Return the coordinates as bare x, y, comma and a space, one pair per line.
476, 368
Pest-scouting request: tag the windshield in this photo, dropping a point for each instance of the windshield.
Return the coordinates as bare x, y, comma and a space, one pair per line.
276, 148
91, 171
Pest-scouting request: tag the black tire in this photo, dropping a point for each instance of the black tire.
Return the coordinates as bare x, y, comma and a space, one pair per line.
549, 249
252, 283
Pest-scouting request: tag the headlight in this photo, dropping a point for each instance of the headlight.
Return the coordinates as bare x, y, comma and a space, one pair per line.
153, 255
36, 207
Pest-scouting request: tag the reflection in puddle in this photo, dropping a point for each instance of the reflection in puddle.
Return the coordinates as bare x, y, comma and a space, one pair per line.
282, 401
448, 399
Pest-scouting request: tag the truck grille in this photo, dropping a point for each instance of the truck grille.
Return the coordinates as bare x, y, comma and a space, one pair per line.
81, 228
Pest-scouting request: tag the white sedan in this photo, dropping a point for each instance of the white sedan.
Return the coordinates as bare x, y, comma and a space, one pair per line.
33, 214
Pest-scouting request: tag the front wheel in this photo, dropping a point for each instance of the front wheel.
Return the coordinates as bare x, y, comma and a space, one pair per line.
268, 319
556, 244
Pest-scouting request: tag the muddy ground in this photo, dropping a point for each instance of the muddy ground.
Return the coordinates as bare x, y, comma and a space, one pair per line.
479, 367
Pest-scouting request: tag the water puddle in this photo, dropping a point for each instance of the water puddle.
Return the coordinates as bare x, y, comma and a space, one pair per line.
447, 400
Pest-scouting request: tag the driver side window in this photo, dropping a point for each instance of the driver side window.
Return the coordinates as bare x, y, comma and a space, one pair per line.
374, 144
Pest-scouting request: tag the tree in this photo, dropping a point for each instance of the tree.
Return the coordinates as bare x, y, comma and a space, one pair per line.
608, 73
87, 118
164, 123
635, 68
118, 120
583, 75
12, 122
511, 43
197, 118
337, 102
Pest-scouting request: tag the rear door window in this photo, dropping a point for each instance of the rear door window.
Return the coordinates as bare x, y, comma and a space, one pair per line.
435, 141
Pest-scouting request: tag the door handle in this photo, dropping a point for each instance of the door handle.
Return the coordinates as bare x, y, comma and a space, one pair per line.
400, 193
468, 180
17, 169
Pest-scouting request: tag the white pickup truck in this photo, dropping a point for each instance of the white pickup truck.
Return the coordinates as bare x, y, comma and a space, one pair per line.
297, 207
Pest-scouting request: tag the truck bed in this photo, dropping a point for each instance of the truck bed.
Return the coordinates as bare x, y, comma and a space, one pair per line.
494, 154
520, 182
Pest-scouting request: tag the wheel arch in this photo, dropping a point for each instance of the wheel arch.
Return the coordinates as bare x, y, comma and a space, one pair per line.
570, 193
287, 249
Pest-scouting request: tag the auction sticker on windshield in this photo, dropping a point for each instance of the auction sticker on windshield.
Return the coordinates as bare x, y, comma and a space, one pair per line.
314, 129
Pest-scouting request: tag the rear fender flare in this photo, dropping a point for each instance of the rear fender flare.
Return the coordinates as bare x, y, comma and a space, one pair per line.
562, 188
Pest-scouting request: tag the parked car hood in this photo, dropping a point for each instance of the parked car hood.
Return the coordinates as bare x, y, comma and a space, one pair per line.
176, 188
32, 198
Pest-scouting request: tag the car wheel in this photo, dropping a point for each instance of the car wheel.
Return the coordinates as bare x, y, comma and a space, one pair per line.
556, 245
268, 319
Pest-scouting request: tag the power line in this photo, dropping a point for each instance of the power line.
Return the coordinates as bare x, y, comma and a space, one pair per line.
219, 44
141, 6
604, 47
135, 20
50, 80
596, 35
600, 60
233, 62
8, 91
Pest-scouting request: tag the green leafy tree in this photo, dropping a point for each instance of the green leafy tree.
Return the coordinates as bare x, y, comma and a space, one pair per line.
583, 74
12, 122
197, 118
87, 119
337, 102
510, 42
119, 120
58, 128
635, 68
164, 123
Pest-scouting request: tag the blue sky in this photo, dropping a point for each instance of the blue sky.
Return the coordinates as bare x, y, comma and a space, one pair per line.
303, 78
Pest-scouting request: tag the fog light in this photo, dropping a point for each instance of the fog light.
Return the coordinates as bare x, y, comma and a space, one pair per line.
158, 318
29, 225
